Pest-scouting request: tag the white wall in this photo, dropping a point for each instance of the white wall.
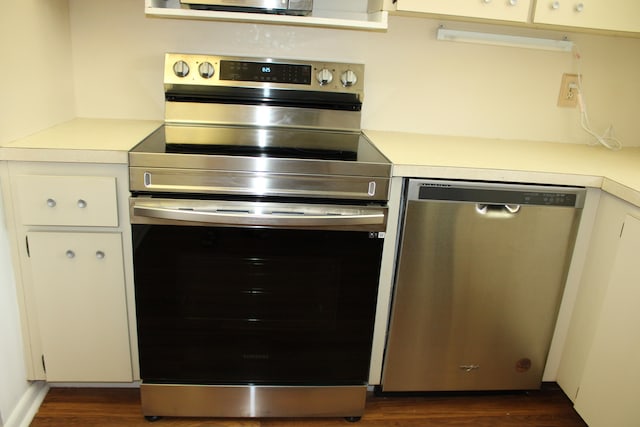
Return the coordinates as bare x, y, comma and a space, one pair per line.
36, 92
12, 371
36, 83
413, 82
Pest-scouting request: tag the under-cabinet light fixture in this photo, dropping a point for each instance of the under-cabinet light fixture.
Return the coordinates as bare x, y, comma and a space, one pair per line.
504, 40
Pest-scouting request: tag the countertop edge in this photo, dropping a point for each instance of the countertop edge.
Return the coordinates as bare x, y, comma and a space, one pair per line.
108, 141
61, 155
621, 191
499, 175
81, 140
538, 162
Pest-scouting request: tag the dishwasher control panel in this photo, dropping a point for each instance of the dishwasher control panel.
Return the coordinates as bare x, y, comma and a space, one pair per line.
496, 193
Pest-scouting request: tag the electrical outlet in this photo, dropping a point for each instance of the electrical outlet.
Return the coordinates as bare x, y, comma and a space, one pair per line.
569, 88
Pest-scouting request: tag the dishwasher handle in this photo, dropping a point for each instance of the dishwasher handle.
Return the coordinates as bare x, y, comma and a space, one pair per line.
497, 210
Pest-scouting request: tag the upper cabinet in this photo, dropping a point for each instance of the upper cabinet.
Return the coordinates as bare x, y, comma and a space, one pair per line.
621, 16
612, 15
602, 15
501, 10
352, 14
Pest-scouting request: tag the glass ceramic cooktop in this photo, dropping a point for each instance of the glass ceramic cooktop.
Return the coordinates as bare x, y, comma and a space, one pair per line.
260, 142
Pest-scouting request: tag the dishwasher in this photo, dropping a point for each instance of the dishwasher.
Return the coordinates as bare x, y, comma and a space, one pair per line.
480, 277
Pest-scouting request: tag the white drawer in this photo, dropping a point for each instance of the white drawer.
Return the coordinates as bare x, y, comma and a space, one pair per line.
67, 200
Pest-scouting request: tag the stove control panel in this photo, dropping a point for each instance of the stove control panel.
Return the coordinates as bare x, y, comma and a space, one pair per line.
210, 70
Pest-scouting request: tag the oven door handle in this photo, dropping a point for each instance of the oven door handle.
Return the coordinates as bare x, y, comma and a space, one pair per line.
374, 220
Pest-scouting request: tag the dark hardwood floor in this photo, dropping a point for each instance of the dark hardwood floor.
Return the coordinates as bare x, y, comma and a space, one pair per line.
548, 407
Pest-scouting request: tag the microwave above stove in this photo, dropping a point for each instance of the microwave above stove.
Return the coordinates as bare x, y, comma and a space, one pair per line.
283, 7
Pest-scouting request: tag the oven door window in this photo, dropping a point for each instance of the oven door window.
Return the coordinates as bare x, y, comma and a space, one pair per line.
262, 306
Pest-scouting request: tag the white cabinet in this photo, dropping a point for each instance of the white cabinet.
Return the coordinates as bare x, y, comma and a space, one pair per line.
352, 14
602, 15
608, 390
613, 15
72, 240
78, 281
596, 370
500, 10
592, 289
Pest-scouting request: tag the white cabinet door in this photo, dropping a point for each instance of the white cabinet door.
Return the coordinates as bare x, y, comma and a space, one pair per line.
503, 10
598, 265
608, 394
78, 281
613, 15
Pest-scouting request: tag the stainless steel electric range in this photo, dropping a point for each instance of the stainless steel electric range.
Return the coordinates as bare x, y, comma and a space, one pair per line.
258, 214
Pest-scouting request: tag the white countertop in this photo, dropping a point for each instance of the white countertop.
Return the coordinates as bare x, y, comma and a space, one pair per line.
85, 140
433, 156
81, 141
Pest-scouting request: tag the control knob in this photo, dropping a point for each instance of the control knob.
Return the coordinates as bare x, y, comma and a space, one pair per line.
206, 70
181, 68
324, 76
348, 78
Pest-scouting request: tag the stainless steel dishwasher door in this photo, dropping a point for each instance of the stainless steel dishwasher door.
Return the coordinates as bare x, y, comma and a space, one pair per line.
478, 287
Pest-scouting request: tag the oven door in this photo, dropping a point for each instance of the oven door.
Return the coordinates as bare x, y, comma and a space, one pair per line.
255, 293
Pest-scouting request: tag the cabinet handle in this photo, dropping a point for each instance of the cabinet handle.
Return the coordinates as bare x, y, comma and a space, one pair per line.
51, 203
513, 2
82, 204
100, 255
487, 1
579, 7
70, 254
555, 5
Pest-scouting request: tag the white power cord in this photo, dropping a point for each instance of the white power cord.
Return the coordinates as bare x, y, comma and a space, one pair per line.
608, 138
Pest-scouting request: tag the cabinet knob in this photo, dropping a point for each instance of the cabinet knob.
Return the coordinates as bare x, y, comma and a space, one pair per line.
513, 2
579, 7
555, 5
82, 204
70, 254
51, 203
100, 255
487, 1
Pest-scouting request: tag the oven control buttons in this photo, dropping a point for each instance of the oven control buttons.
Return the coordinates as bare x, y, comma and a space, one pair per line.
324, 76
348, 78
181, 68
206, 70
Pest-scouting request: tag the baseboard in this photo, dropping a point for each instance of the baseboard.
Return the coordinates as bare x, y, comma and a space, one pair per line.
134, 384
28, 405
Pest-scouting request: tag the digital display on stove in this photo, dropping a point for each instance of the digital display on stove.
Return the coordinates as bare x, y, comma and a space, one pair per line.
266, 72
